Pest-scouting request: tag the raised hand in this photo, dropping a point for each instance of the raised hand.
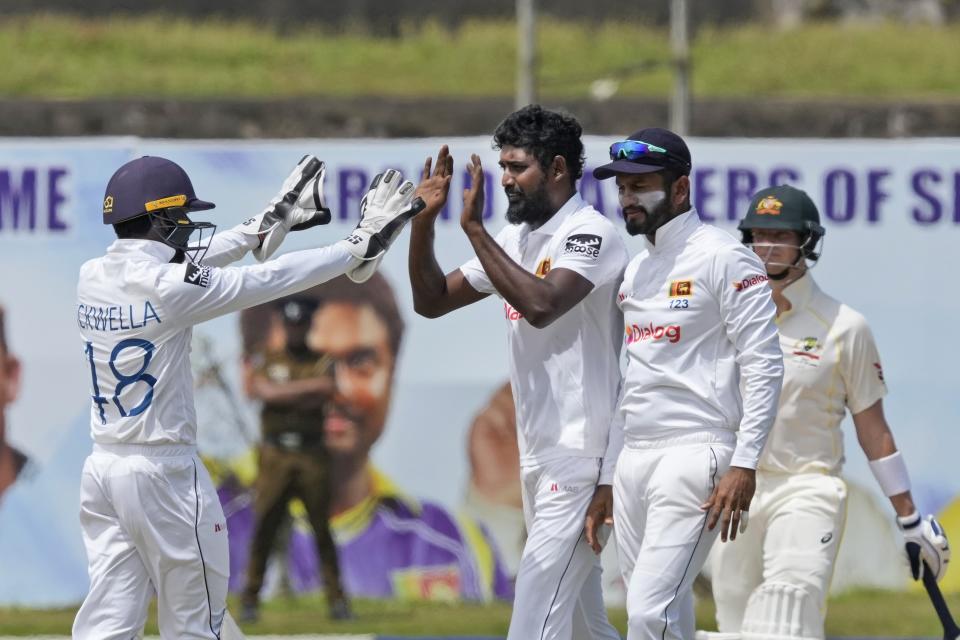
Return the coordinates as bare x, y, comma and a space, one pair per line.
471, 219
388, 206
299, 205
435, 186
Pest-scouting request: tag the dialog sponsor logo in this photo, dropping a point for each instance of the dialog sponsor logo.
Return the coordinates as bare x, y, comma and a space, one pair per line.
636, 333
750, 281
511, 313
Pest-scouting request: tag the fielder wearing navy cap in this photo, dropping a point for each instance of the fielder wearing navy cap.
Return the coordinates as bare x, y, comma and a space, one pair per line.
148, 184
150, 198
652, 168
645, 151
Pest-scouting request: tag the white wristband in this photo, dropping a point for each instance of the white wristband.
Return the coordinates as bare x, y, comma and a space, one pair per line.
891, 474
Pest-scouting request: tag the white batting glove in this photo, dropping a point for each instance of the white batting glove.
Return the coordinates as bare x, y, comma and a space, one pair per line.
387, 207
299, 205
926, 544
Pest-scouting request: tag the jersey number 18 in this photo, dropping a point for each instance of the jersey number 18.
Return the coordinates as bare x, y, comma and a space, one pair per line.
123, 380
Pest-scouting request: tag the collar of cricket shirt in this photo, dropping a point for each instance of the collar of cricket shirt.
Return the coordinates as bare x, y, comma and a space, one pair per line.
145, 249
676, 231
574, 204
800, 291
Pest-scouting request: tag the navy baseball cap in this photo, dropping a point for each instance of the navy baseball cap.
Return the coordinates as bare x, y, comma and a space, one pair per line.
645, 151
149, 184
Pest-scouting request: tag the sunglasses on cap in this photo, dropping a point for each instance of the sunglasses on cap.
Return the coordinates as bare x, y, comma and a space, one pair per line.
636, 150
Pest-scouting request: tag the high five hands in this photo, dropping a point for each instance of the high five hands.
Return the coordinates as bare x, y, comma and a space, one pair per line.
435, 186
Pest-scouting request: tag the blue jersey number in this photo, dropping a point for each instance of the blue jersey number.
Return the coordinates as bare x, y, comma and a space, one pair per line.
123, 380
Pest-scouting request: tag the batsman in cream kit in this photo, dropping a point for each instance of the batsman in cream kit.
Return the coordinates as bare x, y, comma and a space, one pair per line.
773, 581
151, 520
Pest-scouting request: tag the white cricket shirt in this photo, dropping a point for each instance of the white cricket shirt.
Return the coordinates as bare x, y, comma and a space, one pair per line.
565, 377
135, 310
831, 364
698, 317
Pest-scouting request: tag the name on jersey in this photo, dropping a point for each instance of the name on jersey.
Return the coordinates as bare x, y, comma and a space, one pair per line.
116, 317
199, 276
750, 281
635, 333
584, 244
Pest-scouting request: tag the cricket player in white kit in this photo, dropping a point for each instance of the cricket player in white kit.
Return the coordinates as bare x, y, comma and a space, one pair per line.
556, 267
773, 581
690, 441
151, 519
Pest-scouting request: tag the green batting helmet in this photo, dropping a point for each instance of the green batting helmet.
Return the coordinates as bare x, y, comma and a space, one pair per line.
785, 208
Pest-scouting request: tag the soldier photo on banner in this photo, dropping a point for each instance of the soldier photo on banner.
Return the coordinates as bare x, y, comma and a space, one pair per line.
390, 544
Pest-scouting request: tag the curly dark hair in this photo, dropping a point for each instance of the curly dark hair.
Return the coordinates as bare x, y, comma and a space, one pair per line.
545, 134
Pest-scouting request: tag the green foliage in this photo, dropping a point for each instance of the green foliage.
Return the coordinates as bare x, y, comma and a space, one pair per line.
49, 56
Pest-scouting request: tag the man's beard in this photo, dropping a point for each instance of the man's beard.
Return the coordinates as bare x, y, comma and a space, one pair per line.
652, 220
532, 208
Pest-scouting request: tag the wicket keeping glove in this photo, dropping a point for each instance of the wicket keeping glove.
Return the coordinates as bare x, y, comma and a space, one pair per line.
387, 207
299, 205
927, 543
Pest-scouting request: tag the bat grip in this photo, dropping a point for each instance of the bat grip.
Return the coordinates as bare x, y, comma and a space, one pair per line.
950, 629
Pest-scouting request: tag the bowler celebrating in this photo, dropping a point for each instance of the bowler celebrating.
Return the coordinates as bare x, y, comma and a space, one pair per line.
556, 266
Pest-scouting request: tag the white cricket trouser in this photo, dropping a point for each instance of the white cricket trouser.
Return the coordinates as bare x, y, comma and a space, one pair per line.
558, 593
152, 523
661, 531
796, 522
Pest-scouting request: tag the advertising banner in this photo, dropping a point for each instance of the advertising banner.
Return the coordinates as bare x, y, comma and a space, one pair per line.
430, 430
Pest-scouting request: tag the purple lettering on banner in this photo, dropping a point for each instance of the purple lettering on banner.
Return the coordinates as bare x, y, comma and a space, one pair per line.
919, 182
876, 193
784, 175
840, 195
741, 183
956, 197
352, 185
55, 199
702, 193
18, 201
487, 190
592, 191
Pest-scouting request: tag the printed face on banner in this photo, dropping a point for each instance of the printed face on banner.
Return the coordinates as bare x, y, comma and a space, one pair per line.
358, 341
